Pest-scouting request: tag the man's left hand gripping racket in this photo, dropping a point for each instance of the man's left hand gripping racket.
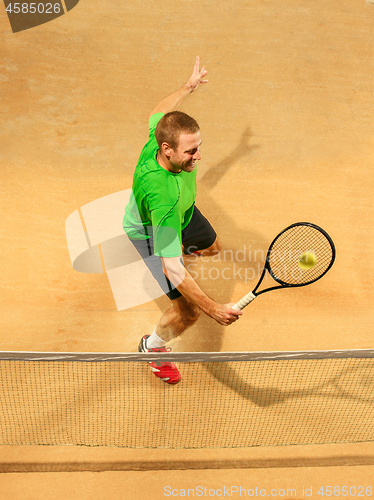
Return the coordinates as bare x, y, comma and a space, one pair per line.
300, 255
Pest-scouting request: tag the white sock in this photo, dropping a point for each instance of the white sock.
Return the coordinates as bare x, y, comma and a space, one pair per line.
154, 341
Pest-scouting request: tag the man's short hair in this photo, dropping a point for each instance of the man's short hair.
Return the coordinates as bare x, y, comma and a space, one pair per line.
172, 125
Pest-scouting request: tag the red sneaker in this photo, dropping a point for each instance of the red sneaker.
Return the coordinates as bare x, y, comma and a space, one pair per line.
168, 372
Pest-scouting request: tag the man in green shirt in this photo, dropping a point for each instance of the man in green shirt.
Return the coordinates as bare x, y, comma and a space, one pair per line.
162, 221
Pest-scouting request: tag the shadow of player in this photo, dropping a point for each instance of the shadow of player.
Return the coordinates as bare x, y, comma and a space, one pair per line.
351, 384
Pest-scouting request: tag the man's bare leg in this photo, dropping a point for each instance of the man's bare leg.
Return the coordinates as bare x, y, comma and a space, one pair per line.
183, 313
175, 320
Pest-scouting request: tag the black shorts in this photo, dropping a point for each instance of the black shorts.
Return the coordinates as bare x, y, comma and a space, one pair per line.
197, 235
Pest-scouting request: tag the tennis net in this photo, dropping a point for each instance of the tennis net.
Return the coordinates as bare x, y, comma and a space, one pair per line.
225, 400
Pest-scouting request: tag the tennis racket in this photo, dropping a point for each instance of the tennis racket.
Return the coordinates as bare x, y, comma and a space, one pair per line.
283, 259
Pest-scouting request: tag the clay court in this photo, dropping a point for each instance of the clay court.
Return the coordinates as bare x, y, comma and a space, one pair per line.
288, 132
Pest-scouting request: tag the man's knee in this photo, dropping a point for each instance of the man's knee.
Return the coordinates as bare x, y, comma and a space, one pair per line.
189, 312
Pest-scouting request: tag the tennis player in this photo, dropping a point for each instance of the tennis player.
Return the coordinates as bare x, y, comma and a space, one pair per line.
162, 222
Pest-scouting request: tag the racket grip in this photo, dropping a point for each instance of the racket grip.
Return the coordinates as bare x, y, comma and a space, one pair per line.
247, 299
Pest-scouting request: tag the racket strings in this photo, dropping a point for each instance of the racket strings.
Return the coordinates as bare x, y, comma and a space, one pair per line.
287, 249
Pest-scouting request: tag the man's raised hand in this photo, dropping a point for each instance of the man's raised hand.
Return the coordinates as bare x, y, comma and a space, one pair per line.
197, 76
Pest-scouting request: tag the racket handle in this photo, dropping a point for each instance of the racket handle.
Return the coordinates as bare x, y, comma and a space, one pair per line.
247, 299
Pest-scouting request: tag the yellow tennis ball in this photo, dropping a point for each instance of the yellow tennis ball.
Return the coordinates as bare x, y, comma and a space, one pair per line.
307, 260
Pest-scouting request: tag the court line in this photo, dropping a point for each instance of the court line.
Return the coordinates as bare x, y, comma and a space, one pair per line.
341, 461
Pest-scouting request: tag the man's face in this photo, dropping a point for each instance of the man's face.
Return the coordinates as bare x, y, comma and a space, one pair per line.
184, 157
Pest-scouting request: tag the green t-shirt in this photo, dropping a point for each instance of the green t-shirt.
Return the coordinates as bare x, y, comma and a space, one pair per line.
161, 203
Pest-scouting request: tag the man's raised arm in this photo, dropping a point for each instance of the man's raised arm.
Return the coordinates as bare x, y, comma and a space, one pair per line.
172, 102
